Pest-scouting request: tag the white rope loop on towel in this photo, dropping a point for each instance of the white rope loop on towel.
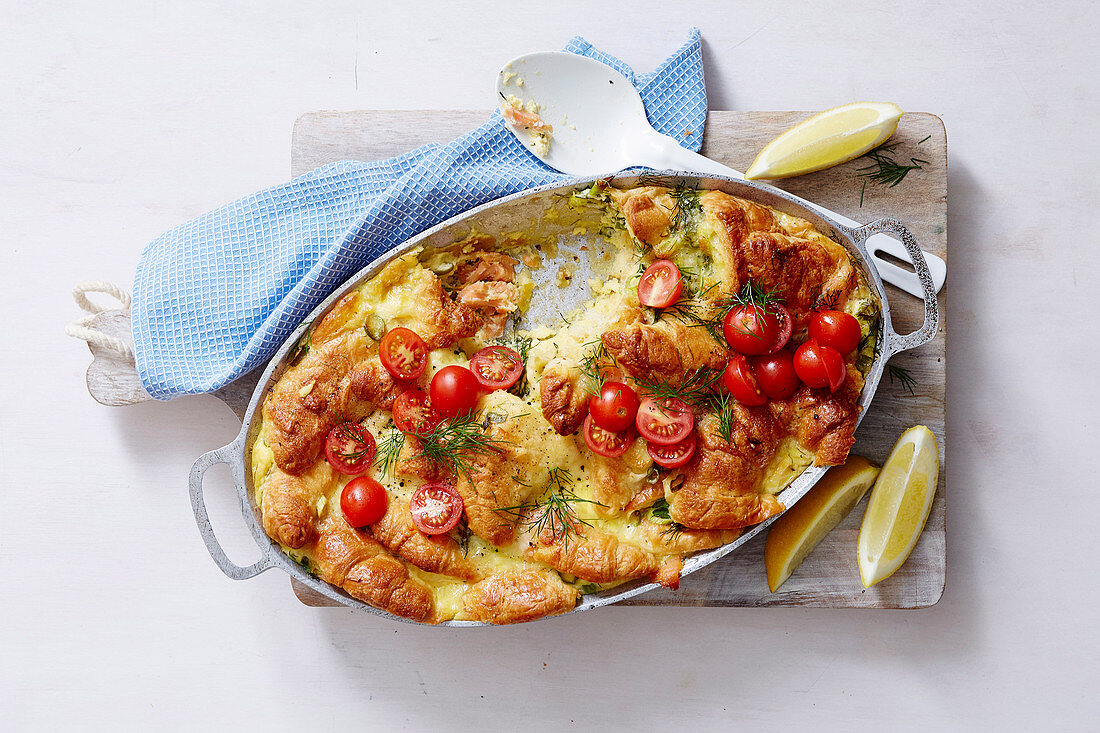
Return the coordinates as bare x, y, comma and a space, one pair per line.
79, 328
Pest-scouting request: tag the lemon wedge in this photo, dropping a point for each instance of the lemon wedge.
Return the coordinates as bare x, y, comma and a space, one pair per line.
899, 505
801, 527
829, 138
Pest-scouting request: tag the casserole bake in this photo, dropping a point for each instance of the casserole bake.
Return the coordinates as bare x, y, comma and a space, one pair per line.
619, 541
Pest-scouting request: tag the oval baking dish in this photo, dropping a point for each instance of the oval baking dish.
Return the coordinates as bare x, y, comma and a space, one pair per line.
518, 212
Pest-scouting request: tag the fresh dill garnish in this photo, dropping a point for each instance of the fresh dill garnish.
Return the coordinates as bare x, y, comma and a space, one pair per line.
451, 443
448, 445
903, 375
389, 450
884, 168
723, 405
685, 198
596, 359
828, 299
555, 514
697, 388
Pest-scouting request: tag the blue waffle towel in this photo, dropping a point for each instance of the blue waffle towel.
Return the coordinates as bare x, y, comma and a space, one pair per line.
216, 297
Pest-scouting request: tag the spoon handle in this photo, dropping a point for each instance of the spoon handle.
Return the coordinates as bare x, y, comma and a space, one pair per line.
664, 153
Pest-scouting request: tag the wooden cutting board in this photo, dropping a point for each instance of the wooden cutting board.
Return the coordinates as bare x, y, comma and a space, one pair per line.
829, 576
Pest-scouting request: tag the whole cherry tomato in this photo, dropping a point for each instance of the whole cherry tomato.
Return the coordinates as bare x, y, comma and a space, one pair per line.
775, 374
837, 329
454, 389
364, 501
751, 329
615, 407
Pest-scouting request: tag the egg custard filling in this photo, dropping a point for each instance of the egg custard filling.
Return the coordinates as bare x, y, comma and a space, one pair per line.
435, 455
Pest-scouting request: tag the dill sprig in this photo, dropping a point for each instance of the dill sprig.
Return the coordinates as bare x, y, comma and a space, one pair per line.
723, 405
451, 443
697, 388
555, 513
685, 198
595, 360
884, 168
389, 451
903, 375
448, 445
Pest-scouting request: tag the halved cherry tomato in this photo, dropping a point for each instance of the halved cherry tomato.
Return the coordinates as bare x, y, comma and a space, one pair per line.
660, 285
350, 448
819, 366
775, 374
786, 325
605, 442
497, 367
454, 389
436, 508
413, 413
837, 329
675, 455
741, 382
664, 421
615, 407
364, 501
751, 329
403, 353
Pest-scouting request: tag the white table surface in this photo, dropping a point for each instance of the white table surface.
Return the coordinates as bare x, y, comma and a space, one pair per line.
120, 120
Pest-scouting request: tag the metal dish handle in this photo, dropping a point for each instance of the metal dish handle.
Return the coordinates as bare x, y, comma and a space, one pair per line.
896, 342
226, 455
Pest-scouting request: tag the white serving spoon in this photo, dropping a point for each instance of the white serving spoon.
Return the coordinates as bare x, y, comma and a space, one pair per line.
600, 125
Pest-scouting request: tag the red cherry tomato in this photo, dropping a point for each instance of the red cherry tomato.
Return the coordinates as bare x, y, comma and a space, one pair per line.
665, 421
741, 382
675, 455
837, 329
605, 442
413, 413
819, 366
786, 325
497, 367
363, 501
436, 508
775, 374
403, 353
615, 407
751, 329
454, 389
350, 448
660, 285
